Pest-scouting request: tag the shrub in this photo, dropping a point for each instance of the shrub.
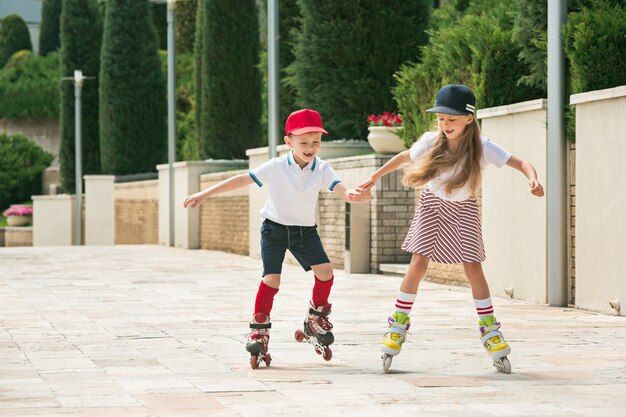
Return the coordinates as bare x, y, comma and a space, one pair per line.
22, 162
346, 54
133, 106
14, 36
472, 50
81, 35
595, 44
49, 31
231, 85
29, 86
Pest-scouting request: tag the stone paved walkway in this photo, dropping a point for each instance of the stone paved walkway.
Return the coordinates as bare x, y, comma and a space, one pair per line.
153, 331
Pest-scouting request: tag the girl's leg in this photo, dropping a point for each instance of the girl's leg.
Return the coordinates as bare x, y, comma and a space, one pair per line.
480, 289
417, 270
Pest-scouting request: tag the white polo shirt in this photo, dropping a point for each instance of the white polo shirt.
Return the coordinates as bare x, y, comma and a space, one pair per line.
293, 190
492, 155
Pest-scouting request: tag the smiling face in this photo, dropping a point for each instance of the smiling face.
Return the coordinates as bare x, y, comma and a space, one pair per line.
453, 125
304, 146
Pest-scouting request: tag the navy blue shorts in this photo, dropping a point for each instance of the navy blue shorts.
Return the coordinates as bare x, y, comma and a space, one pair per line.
302, 241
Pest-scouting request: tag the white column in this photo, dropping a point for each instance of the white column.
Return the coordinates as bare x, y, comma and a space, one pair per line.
53, 220
99, 209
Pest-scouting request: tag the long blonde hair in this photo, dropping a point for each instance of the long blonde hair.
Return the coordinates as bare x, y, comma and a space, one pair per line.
438, 160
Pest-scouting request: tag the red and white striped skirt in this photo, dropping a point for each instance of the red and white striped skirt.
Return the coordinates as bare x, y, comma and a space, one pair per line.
445, 231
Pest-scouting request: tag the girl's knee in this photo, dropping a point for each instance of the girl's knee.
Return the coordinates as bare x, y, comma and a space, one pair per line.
418, 265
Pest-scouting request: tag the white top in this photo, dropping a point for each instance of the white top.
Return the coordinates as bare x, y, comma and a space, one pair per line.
293, 190
492, 154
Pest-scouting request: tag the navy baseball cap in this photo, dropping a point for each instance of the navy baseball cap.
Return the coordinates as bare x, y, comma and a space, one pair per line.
454, 99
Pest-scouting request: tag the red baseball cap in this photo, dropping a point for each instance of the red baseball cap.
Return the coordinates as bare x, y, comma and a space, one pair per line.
304, 121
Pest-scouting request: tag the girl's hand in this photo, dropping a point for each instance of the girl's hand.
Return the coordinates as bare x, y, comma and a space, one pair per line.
367, 185
194, 200
535, 188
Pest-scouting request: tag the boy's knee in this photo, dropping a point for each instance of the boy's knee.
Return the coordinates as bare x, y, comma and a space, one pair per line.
272, 280
323, 272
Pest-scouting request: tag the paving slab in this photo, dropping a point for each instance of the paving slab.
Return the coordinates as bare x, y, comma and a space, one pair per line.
154, 331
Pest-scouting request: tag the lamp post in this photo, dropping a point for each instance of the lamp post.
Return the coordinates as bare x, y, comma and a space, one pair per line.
272, 75
78, 80
171, 108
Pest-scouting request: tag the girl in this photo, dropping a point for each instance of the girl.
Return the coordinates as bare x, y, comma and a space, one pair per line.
446, 227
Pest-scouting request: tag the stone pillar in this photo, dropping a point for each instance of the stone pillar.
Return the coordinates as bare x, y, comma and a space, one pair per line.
186, 181
99, 209
53, 220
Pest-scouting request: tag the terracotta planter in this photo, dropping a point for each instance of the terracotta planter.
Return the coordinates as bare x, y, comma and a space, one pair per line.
19, 220
384, 139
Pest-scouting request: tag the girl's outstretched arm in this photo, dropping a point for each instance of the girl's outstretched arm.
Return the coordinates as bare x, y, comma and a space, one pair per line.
394, 163
229, 184
527, 169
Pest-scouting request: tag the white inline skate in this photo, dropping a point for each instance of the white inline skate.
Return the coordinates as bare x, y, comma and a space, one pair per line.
494, 343
394, 337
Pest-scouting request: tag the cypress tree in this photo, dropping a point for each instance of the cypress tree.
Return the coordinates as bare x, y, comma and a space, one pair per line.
347, 53
159, 19
50, 26
198, 71
14, 36
231, 85
133, 137
81, 36
185, 25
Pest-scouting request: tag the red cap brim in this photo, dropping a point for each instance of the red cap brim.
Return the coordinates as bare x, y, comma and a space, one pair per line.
308, 129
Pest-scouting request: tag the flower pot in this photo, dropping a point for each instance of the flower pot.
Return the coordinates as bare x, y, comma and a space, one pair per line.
384, 139
19, 220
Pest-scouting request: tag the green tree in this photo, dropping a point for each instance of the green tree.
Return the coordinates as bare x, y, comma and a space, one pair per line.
185, 25
133, 105
198, 72
81, 36
159, 19
347, 53
231, 82
22, 162
50, 26
14, 36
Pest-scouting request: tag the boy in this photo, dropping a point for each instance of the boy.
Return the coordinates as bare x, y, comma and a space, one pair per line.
295, 181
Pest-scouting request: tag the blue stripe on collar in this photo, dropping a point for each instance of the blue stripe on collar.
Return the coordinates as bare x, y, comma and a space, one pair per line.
289, 157
314, 164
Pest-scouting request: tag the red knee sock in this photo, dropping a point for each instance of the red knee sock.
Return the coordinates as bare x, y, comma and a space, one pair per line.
321, 291
264, 299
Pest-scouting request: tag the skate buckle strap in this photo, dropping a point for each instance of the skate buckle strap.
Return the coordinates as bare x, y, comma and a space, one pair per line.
494, 333
260, 325
393, 323
318, 313
396, 330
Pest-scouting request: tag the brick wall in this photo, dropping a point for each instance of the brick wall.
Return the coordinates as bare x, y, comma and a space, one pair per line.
332, 227
224, 218
136, 221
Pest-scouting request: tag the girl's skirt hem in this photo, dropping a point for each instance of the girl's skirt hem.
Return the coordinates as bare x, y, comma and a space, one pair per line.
447, 232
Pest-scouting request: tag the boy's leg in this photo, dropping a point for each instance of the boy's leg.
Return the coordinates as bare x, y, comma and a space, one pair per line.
491, 336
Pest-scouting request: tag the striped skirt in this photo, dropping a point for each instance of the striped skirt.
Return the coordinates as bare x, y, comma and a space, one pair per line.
445, 231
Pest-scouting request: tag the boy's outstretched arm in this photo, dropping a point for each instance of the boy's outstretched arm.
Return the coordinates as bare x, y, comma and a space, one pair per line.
394, 163
352, 196
527, 169
230, 184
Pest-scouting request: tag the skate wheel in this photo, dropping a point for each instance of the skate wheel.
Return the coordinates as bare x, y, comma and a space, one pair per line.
268, 359
387, 362
327, 354
503, 365
318, 351
299, 335
254, 361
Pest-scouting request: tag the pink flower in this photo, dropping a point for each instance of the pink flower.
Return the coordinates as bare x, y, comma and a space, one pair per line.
386, 119
18, 211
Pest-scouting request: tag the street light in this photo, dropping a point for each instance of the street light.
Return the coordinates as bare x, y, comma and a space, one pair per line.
78, 80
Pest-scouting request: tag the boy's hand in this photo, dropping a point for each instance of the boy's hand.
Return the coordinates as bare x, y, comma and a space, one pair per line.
194, 200
367, 185
535, 188
358, 196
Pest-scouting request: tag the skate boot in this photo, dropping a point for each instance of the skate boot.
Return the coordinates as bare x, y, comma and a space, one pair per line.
395, 336
494, 343
258, 340
317, 330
